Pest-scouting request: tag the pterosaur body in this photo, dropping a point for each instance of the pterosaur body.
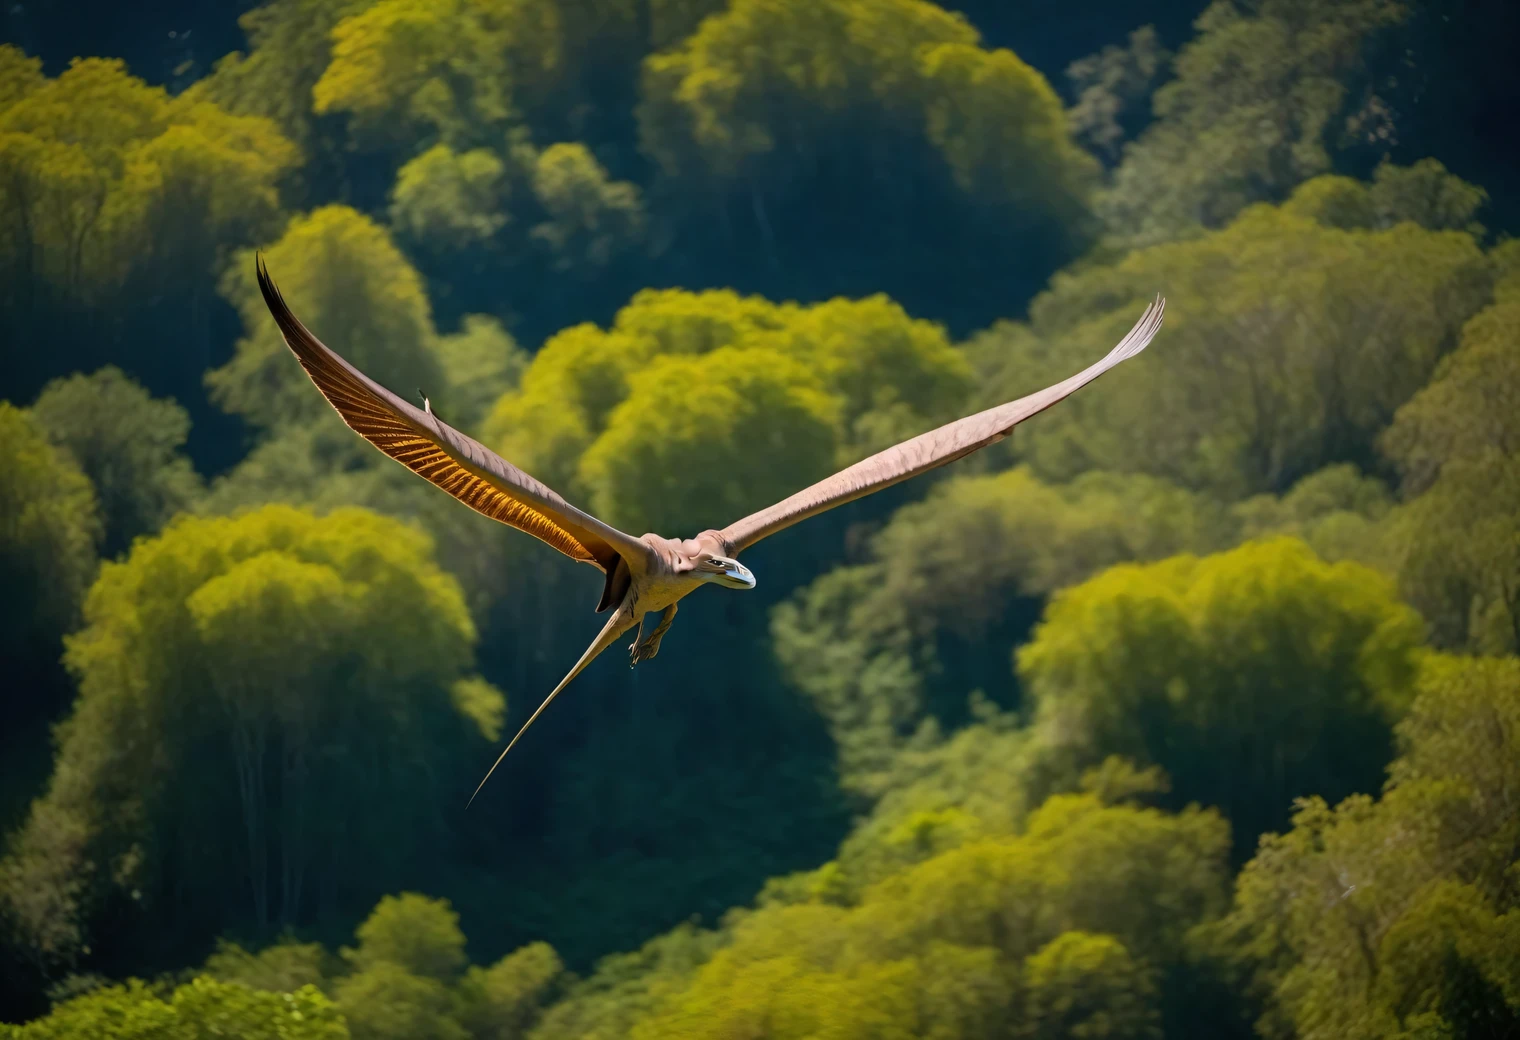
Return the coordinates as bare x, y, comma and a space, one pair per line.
648, 575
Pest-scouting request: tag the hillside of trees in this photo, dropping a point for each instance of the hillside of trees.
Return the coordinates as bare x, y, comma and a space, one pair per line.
1190, 710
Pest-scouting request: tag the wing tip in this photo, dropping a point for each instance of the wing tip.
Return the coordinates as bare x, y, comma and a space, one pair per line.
1144, 330
295, 334
273, 299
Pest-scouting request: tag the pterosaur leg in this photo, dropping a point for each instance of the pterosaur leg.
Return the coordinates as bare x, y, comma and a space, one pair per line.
617, 624
638, 637
645, 647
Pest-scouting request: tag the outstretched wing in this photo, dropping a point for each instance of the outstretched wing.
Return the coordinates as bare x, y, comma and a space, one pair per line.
436, 451
933, 449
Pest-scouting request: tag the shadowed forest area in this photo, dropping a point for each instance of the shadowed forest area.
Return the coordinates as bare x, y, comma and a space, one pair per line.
1192, 710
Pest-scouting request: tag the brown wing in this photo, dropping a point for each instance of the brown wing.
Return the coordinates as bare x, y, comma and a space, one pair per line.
432, 449
933, 449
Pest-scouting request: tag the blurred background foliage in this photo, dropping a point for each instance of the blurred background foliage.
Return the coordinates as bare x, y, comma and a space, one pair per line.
1190, 710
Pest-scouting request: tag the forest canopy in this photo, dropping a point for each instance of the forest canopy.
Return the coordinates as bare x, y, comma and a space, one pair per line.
1191, 709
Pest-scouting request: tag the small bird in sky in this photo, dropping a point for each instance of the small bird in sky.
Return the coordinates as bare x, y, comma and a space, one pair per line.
650, 574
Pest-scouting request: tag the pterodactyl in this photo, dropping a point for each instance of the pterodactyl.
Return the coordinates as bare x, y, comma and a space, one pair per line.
647, 575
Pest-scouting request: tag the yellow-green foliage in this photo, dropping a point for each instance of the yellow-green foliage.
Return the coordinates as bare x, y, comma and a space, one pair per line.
232, 637
756, 89
108, 178
1288, 345
1377, 918
340, 272
462, 72
407, 68
128, 443
865, 642
283, 967
591, 219
1454, 541
346, 279
1337, 511
694, 408
1002, 130
725, 432
957, 942
712, 102
47, 536
413, 932
1207, 546
502, 1001
449, 199
198, 1010
343, 275
1424, 194
626, 986
290, 45
323, 466
1088, 985
559, 200
1252, 677
1251, 112
1361, 921
49, 529
387, 1002
480, 363
19, 75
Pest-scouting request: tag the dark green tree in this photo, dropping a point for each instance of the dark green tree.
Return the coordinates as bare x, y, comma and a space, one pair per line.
1262, 99
1456, 539
128, 443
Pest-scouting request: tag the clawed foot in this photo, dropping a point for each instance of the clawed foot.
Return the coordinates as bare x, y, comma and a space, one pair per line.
643, 651
643, 647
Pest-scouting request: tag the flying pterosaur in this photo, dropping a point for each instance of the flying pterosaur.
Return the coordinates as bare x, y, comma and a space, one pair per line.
647, 575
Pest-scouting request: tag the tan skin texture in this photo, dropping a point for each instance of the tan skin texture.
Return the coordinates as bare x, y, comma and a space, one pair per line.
647, 575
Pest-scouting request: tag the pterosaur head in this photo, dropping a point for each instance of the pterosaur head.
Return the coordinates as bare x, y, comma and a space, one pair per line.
721, 570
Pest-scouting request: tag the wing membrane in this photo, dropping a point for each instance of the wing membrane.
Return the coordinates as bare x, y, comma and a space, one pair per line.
442, 455
933, 449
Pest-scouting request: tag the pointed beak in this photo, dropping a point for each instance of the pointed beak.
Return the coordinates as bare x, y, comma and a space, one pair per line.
737, 576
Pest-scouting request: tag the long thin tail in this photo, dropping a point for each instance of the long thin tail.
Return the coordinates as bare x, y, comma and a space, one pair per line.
620, 622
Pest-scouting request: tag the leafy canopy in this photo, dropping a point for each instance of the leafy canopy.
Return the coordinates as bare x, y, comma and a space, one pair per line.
1252, 677
1261, 100
413, 932
1383, 915
347, 281
1454, 539
96, 159
221, 664
200, 1009
128, 443
948, 586
763, 86
696, 405
1289, 346
49, 529
985, 932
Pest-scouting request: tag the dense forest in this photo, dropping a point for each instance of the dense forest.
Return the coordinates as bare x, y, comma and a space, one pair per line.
1190, 710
